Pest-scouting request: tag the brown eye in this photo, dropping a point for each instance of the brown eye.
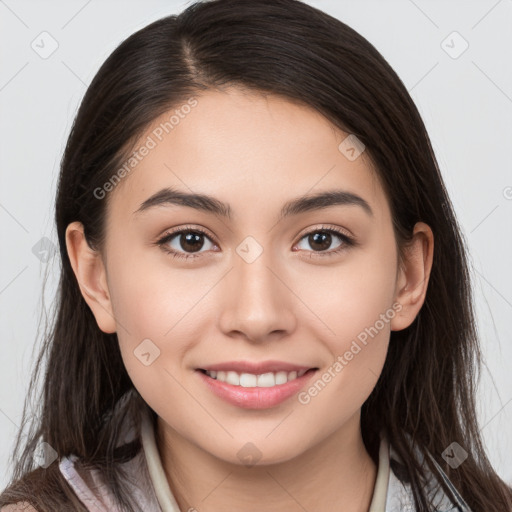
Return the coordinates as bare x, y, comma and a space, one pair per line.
321, 240
185, 242
190, 241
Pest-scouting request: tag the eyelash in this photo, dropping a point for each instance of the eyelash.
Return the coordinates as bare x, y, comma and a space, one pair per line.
347, 241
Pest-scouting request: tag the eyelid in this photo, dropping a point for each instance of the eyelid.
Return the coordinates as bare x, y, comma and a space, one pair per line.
175, 231
326, 227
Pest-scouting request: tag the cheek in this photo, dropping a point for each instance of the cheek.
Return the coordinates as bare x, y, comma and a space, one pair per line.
352, 297
150, 298
158, 312
358, 352
355, 303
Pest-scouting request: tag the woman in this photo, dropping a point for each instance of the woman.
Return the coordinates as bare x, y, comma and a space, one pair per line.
251, 311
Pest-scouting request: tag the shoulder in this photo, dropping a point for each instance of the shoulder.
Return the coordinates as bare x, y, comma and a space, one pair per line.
38, 490
24, 506
400, 496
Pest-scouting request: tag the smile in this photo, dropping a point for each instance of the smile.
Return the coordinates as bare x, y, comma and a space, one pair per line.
250, 380
255, 391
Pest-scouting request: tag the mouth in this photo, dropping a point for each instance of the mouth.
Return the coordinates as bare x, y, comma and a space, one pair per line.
255, 391
251, 380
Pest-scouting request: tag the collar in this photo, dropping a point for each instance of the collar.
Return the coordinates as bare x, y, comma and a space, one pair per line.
392, 491
163, 492
168, 502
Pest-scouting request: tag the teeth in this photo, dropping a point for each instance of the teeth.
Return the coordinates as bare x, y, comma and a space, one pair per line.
233, 378
249, 380
266, 380
281, 378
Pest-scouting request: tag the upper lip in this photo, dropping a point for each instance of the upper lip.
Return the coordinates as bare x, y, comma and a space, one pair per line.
255, 368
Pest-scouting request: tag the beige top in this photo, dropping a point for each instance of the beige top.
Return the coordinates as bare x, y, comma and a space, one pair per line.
168, 503
151, 489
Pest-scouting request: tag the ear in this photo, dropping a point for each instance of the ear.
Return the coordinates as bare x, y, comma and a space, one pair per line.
91, 275
413, 276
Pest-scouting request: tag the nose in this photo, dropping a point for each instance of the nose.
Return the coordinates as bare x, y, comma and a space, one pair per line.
259, 304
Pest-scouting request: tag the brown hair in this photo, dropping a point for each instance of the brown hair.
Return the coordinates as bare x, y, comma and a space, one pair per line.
285, 47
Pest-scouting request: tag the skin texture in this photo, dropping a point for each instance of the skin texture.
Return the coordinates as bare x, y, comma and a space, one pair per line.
293, 303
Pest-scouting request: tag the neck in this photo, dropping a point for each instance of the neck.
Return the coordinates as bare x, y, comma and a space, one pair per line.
336, 472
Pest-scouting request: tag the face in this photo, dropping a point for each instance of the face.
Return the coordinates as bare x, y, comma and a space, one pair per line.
189, 288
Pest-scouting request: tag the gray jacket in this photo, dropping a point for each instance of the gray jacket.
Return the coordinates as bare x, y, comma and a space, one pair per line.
399, 493
151, 490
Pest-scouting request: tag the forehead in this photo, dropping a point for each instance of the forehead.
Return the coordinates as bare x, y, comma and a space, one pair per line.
247, 149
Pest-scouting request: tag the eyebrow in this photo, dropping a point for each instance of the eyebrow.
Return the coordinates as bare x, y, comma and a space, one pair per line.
206, 203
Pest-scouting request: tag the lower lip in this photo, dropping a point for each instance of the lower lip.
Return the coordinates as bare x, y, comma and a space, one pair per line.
256, 398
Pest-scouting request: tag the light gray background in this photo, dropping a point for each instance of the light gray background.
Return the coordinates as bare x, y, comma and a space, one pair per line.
466, 103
